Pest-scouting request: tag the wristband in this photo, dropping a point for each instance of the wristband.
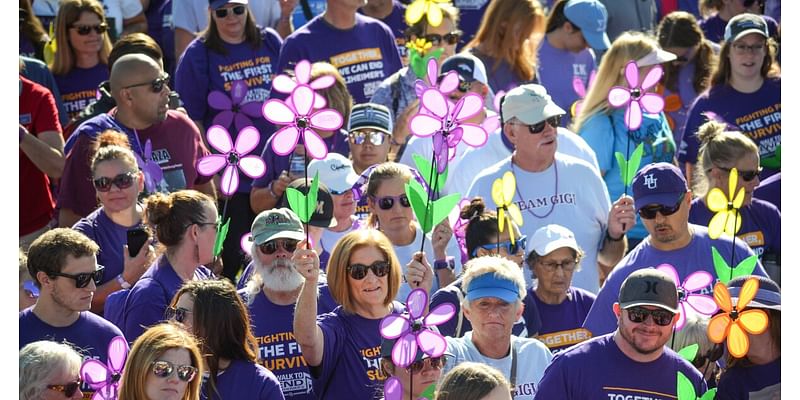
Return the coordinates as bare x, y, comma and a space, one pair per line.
448, 263
123, 282
272, 192
612, 239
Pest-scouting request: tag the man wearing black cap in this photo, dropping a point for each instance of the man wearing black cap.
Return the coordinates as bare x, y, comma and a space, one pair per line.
633, 361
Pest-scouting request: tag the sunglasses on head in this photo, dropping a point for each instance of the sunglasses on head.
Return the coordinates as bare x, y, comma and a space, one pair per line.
359, 271
121, 181
747, 176
68, 389
223, 12
82, 280
176, 313
660, 317
377, 138
273, 245
519, 244
538, 127
387, 202
449, 38
156, 85
649, 212
164, 369
433, 362
84, 30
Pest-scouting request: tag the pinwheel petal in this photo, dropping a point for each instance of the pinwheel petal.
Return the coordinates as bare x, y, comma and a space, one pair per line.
449, 83
652, 103
326, 120
415, 11
424, 125
393, 389
238, 91
431, 343
441, 159
716, 201
219, 100
242, 121
671, 271
303, 99
632, 74
433, 71
323, 82
245, 243
516, 215
416, 302
747, 293
722, 297
652, 77
440, 314
315, 145
497, 97
302, 71
394, 325
435, 102
490, 124
681, 317
618, 96
319, 101
219, 138
633, 115
501, 219
419, 87
697, 280
717, 225
702, 304
434, 14
718, 327
253, 166
509, 187
578, 86
739, 199
117, 353
251, 109
497, 193
738, 342
404, 350
732, 222
94, 373
230, 180
283, 83
278, 112
754, 321
285, 140
472, 104
223, 118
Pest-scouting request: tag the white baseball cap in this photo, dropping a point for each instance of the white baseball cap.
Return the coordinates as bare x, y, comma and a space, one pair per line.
335, 171
553, 237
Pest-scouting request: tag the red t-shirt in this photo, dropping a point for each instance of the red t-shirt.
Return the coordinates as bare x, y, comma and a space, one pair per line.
37, 113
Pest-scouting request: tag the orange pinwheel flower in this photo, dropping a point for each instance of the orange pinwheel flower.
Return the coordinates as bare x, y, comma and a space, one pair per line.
736, 322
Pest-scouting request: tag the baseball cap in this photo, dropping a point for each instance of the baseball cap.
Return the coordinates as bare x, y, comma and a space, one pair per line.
277, 223
768, 295
553, 237
336, 171
370, 115
744, 24
592, 18
649, 287
489, 285
658, 183
323, 214
468, 67
215, 4
530, 103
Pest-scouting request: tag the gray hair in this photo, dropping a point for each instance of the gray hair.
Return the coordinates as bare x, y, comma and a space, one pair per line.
40, 362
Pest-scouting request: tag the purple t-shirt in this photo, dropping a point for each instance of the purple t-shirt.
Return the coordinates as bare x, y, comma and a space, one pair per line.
501, 77
696, 256
336, 143
757, 114
244, 380
598, 369
686, 96
351, 365
111, 238
471, 13
396, 21
365, 54
561, 323
751, 382
79, 87
770, 190
554, 74
151, 295
714, 27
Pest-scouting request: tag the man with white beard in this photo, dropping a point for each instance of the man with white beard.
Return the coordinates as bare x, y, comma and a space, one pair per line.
271, 293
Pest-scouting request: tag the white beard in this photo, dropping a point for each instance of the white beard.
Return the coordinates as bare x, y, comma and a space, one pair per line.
280, 276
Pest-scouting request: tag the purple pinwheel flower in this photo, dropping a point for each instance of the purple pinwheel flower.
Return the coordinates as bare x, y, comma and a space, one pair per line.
413, 331
302, 72
635, 96
152, 171
448, 85
104, 379
697, 303
232, 157
296, 114
232, 108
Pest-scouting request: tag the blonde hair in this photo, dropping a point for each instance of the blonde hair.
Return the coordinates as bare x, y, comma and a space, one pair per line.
470, 381
718, 147
384, 172
42, 361
70, 11
500, 267
337, 96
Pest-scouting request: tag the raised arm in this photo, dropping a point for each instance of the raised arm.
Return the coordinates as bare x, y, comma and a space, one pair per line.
306, 331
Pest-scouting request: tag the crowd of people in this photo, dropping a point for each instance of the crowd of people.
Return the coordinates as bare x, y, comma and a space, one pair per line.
587, 242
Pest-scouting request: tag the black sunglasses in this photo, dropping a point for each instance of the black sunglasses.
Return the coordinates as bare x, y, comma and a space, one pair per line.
434, 362
747, 176
387, 202
377, 138
68, 389
156, 85
273, 245
223, 12
82, 280
650, 212
359, 271
84, 30
538, 127
449, 38
176, 313
519, 244
122, 181
660, 317
164, 369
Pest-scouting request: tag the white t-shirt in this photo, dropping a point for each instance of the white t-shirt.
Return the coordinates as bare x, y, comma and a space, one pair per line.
404, 254
531, 354
192, 15
114, 10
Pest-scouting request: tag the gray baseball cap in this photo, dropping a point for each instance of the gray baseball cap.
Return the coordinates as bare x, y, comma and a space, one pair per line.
277, 223
649, 287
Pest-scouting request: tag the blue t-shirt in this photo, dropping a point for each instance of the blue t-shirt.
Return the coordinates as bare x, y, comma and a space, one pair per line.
244, 380
751, 382
555, 75
561, 323
79, 87
111, 238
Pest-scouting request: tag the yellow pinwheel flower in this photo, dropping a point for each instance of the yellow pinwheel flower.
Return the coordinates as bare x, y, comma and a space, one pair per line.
431, 8
507, 211
727, 219
420, 45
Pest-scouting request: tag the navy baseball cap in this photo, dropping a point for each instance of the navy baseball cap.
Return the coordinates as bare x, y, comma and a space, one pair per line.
592, 18
468, 67
744, 24
659, 183
215, 4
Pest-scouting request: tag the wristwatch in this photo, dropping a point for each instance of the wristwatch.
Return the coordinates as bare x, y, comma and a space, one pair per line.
123, 282
449, 263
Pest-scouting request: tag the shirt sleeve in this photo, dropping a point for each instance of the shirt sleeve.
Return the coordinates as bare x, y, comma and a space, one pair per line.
130, 8
144, 308
46, 117
690, 145
601, 318
555, 384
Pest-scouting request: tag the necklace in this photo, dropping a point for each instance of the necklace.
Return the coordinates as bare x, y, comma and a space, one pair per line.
555, 191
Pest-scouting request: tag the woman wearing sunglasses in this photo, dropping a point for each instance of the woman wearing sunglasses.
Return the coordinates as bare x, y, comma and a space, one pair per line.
342, 348
49, 371
418, 377
216, 315
80, 62
604, 127
164, 363
117, 182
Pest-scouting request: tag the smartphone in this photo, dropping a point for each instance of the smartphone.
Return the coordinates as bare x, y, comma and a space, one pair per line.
137, 238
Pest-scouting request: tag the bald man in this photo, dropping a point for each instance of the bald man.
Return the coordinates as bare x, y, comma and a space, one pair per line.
139, 87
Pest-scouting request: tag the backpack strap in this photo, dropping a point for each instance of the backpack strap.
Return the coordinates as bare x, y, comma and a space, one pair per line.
306, 10
460, 295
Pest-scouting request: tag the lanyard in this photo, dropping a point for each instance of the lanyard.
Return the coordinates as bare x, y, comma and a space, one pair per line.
136, 145
513, 367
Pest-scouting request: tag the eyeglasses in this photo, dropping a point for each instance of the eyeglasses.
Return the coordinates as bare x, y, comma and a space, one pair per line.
660, 317
433, 362
538, 127
82, 280
449, 38
387, 202
359, 271
84, 30
377, 138
566, 265
121, 181
743, 48
68, 389
156, 85
747, 176
164, 369
223, 12
650, 212
272, 246
520, 244
177, 313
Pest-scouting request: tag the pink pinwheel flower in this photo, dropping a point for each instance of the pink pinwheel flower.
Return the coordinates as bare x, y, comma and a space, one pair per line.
104, 379
492, 123
232, 108
581, 90
232, 157
688, 301
302, 72
635, 96
299, 120
413, 331
152, 171
448, 85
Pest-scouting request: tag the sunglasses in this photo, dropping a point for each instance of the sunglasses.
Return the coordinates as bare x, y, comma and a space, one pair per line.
273, 245
84, 30
650, 212
387, 202
223, 12
359, 271
449, 38
68, 389
121, 181
520, 244
747, 176
164, 369
538, 127
660, 317
156, 85
433, 362
377, 138
82, 280
176, 313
